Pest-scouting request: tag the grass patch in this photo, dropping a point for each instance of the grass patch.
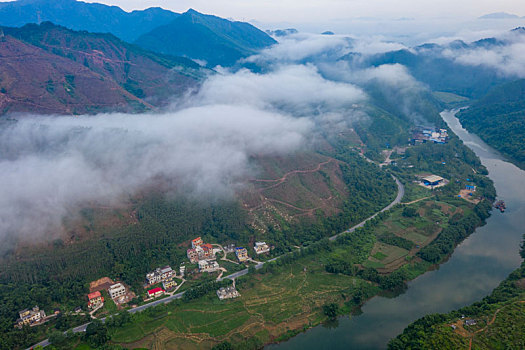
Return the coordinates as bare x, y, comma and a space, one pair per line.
380, 256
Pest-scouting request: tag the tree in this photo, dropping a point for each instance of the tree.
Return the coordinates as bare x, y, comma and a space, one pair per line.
57, 337
331, 310
223, 346
410, 212
96, 334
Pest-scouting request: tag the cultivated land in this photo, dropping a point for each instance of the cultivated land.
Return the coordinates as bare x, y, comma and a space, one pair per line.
286, 296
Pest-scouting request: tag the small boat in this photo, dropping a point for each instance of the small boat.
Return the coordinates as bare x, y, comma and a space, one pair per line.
500, 205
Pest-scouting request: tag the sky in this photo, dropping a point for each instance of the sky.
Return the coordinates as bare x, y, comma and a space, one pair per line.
409, 21
313, 10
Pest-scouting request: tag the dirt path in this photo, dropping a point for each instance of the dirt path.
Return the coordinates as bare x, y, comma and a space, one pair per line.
484, 329
285, 176
417, 200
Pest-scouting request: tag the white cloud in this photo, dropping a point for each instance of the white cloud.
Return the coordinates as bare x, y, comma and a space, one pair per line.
507, 57
53, 165
297, 89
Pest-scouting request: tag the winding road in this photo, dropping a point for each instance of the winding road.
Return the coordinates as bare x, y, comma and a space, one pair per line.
397, 200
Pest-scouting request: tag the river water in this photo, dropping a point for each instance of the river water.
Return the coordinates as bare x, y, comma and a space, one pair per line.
475, 268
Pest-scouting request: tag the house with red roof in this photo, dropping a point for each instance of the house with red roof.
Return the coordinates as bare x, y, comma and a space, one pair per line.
95, 300
156, 292
197, 242
207, 251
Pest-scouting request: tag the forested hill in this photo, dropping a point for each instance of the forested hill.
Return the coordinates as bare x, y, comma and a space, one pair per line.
52, 69
81, 15
205, 37
499, 119
441, 68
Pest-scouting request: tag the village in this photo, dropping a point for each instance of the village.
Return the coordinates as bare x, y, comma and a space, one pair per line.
425, 134
161, 282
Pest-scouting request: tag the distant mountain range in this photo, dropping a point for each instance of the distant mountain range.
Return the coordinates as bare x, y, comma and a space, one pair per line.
51, 69
80, 15
194, 35
441, 72
204, 37
500, 15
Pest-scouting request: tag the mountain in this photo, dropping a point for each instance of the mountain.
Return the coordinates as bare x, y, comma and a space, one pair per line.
499, 15
441, 72
282, 32
212, 39
499, 119
51, 69
79, 15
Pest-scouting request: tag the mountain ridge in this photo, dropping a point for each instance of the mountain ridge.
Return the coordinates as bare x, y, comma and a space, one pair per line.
216, 40
52, 69
79, 15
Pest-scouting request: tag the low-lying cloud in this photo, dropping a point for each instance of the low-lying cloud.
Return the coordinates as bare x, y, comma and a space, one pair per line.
52, 165
297, 89
503, 53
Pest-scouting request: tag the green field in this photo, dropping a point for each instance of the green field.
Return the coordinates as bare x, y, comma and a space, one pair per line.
270, 303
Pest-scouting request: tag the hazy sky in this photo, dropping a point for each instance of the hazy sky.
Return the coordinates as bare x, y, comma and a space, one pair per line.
314, 10
409, 21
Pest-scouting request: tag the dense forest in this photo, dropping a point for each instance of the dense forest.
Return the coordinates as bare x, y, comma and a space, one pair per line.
499, 119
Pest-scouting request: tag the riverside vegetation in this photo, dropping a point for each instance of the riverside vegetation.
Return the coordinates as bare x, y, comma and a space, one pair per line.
500, 320
308, 286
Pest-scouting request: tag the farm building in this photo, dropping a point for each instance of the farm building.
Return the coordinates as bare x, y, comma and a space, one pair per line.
31, 317
169, 284
159, 275
116, 290
208, 266
228, 293
156, 292
197, 242
261, 247
432, 180
95, 300
241, 253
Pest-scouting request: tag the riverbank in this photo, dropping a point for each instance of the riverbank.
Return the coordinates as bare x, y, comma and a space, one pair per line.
287, 298
496, 321
475, 268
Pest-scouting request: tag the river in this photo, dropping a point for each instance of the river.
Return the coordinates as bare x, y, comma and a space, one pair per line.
475, 268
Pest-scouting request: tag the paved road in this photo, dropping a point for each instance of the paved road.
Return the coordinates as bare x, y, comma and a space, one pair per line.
397, 200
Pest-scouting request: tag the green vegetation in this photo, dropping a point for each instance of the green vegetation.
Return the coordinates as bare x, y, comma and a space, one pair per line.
209, 38
449, 98
499, 119
500, 322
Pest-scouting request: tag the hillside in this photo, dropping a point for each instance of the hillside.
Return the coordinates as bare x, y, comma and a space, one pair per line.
499, 119
449, 67
50, 69
80, 15
499, 322
205, 37
440, 73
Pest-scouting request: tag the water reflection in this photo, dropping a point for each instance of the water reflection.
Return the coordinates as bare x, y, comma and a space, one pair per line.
477, 266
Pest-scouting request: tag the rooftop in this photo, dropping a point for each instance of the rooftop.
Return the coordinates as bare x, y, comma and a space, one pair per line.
94, 295
155, 290
115, 286
433, 178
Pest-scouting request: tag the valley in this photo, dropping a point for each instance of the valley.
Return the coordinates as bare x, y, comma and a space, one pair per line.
185, 181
